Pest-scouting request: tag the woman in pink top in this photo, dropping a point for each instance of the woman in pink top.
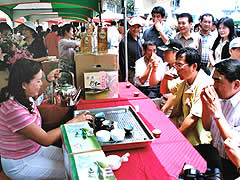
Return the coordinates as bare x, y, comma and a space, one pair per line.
24, 146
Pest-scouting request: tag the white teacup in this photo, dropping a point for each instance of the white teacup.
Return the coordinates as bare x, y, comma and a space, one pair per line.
117, 134
114, 161
103, 135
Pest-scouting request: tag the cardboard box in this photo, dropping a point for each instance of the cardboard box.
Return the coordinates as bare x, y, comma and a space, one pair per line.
79, 137
94, 63
101, 85
91, 165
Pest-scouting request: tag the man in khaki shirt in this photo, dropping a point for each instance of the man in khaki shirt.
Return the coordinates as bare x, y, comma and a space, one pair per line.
185, 36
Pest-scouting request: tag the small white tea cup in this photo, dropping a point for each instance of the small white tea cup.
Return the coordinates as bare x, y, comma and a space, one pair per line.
117, 134
103, 135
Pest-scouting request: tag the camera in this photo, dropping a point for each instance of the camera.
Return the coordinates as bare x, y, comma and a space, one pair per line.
189, 173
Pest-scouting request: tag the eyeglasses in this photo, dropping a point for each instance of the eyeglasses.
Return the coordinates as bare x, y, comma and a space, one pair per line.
179, 65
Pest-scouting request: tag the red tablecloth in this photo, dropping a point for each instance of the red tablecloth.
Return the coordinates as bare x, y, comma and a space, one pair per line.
124, 95
165, 156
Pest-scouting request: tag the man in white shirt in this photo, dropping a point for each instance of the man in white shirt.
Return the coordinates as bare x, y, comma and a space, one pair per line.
220, 114
143, 68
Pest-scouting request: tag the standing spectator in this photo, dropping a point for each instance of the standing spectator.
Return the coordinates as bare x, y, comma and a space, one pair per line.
234, 48
185, 36
5, 29
113, 35
220, 115
144, 67
51, 41
66, 51
206, 22
214, 30
40, 31
196, 27
158, 32
35, 43
121, 28
134, 49
226, 33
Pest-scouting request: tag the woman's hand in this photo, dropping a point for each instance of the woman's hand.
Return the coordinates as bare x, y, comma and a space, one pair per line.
82, 117
54, 75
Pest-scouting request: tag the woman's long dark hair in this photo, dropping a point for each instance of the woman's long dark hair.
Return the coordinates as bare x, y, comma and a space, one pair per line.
23, 71
228, 22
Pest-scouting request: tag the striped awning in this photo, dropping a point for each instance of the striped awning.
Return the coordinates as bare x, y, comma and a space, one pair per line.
43, 10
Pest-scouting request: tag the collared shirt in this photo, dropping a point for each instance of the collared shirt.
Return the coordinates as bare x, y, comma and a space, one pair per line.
134, 53
14, 117
141, 66
188, 101
230, 109
153, 35
218, 51
194, 40
163, 68
207, 43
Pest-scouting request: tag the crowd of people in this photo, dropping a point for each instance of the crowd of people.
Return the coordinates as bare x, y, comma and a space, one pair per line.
193, 76
197, 75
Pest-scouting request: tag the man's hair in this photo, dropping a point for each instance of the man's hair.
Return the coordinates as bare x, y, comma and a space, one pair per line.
189, 16
158, 9
4, 26
148, 43
113, 23
54, 27
206, 14
192, 56
121, 22
230, 68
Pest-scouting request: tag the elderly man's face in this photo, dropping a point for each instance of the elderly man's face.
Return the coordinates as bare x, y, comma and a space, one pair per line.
135, 29
206, 23
223, 87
